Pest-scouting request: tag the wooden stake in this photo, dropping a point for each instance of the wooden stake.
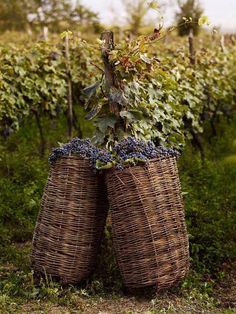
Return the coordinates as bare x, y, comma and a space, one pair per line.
191, 47
41, 134
222, 43
69, 83
45, 33
110, 78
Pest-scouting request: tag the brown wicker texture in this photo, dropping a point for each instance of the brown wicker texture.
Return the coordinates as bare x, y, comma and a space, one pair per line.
71, 222
148, 225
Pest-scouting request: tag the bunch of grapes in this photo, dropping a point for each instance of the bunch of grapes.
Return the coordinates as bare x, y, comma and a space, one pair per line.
134, 150
83, 148
129, 150
104, 156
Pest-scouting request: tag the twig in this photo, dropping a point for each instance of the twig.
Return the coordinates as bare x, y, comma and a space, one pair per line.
96, 66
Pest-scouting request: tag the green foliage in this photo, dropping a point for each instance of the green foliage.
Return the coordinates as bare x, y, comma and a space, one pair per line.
61, 15
56, 15
13, 15
192, 11
22, 181
209, 192
165, 99
30, 83
34, 80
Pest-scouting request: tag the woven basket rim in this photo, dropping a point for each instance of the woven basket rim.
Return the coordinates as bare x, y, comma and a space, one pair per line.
71, 157
139, 165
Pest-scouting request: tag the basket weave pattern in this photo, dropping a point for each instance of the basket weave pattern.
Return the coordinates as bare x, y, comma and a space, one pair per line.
71, 221
148, 226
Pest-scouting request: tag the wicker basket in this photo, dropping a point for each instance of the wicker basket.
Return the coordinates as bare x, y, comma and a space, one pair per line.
71, 221
148, 225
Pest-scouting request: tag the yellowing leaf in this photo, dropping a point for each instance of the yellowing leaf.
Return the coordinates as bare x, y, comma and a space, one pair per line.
100, 41
203, 20
66, 33
154, 5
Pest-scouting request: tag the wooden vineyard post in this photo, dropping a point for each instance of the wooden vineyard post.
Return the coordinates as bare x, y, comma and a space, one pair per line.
110, 79
197, 141
69, 83
45, 33
222, 43
41, 134
191, 48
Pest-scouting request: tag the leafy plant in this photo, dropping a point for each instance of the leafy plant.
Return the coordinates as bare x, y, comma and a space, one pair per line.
192, 11
165, 99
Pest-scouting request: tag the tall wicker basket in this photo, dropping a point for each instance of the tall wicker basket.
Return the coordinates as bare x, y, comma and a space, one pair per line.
148, 225
71, 221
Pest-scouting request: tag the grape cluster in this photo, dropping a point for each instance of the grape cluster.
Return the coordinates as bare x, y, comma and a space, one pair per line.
129, 150
77, 146
104, 156
132, 149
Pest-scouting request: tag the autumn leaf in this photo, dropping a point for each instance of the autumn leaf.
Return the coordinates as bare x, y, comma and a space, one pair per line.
203, 20
154, 5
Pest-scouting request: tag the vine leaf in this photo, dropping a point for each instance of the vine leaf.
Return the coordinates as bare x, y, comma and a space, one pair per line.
95, 110
106, 122
145, 59
102, 166
90, 91
203, 20
128, 115
132, 115
117, 96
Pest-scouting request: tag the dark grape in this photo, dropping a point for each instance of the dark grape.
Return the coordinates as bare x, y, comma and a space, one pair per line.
76, 146
129, 150
138, 150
